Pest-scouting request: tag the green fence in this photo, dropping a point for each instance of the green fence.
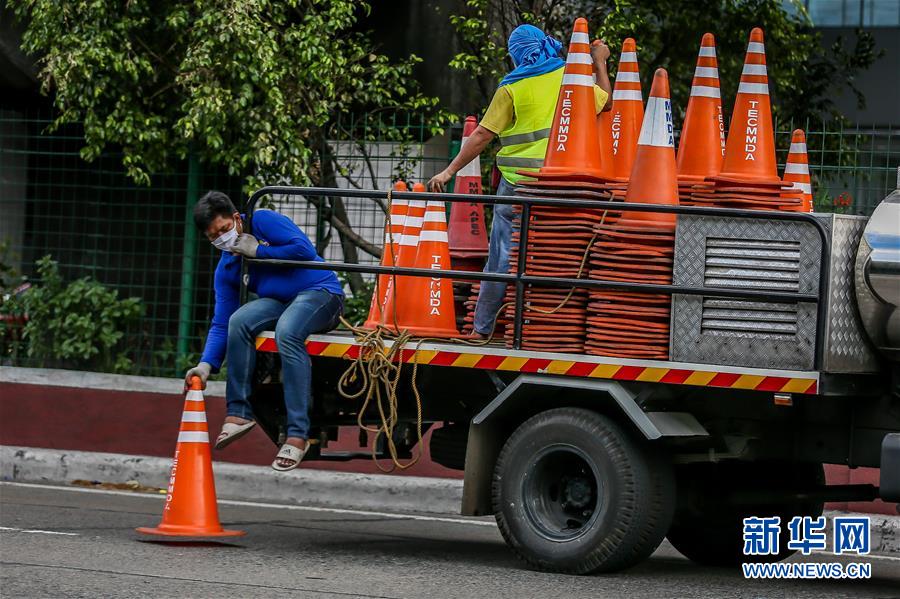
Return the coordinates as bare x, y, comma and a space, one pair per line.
96, 222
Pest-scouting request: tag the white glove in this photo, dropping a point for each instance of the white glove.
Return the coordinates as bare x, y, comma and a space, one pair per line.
245, 245
201, 370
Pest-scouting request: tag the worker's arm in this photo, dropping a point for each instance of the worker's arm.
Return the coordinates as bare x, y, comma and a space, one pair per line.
477, 142
285, 239
600, 53
227, 301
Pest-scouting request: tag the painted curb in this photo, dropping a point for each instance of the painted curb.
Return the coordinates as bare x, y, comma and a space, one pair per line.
319, 488
100, 380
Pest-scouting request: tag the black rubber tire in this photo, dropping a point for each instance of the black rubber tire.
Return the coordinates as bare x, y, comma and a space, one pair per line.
708, 528
635, 493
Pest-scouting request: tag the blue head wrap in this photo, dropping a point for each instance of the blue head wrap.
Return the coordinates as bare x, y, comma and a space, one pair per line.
533, 53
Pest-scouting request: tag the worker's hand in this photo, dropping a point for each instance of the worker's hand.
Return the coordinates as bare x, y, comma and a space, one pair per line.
201, 370
599, 51
245, 245
439, 181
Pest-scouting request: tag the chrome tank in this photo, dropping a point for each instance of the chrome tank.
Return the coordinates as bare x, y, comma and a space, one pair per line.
877, 276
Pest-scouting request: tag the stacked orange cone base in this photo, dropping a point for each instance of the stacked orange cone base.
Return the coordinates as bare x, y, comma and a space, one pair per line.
191, 509
638, 247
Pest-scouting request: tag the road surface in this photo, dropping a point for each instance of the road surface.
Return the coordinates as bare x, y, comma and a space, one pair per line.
60, 542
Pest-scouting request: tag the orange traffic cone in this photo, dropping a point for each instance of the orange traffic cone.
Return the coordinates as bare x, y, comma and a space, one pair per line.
574, 146
191, 509
406, 257
627, 110
796, 172
750, 147
702, 143
426, 307
467, 232
391, 244
653, 178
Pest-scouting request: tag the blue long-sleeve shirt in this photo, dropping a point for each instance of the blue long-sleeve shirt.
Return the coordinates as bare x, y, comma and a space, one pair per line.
279, 238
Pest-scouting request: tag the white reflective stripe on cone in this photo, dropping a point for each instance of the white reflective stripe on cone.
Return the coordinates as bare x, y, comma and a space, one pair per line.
629, 76
413, 221
193, 437
409, 240
627, 94
797, 148
628, 57
796, 168
753, 88
579, 58
580, 38
754, 69
435, 216
193, 416
804, 187
708, 72
433, 236
707, 51
579, 80
756, 48
706, 91
657, 127
194, 395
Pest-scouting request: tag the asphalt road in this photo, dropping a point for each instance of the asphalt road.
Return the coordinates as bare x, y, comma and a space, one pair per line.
57, 542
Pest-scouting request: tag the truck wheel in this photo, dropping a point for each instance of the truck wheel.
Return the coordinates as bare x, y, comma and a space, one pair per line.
708, 523
572, 492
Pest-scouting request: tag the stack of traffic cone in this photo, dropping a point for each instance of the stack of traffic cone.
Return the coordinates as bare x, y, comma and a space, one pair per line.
639, 246
627, 112
796, 173
749, 176
191, 509
384, 283
425, 308
702, 143
467, 233
559, 237
407, 245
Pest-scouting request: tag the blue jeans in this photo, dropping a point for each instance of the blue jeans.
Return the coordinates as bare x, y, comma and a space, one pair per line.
312, 311
491, 293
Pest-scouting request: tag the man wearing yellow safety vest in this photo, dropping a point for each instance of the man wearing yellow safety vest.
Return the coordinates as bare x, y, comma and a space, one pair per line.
521, 113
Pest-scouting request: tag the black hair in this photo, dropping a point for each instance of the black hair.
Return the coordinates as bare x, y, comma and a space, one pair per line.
213, 204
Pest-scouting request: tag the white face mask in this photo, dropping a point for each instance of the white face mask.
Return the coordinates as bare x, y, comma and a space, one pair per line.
226, 240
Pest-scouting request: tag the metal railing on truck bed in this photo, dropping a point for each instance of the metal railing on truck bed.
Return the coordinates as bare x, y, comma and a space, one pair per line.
514, 358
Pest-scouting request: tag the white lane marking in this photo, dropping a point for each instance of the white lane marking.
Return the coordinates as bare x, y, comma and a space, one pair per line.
38, 532
329, 510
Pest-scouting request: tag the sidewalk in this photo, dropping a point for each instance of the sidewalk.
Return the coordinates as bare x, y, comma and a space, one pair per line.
298, 487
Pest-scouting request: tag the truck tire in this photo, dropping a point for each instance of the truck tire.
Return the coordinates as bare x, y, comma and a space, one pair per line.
708, 523
573, 493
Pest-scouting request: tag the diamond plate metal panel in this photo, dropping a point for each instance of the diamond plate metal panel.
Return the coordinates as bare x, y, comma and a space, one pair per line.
847, 348
744, 333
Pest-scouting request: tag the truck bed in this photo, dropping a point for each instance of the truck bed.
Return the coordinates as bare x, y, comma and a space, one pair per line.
343, 345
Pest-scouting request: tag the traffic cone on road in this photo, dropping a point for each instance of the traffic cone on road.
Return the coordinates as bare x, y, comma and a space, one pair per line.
573, 149
702, 143
426, 308
467, 232
796, 172
750, 146
627, 110
191, 509
392, 232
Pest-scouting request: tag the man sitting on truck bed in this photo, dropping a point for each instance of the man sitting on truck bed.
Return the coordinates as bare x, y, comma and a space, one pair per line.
294, 301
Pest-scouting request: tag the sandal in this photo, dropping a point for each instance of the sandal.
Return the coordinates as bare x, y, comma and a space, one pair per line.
289, 452
231, 432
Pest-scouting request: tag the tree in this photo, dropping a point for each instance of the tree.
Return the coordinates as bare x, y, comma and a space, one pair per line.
806, 78
248, 85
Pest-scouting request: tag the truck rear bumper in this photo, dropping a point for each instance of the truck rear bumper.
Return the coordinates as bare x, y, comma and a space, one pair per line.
890, 467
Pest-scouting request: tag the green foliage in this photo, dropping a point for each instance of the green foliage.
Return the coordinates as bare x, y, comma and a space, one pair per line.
805, 78
248, 84
356, 305
79, 324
